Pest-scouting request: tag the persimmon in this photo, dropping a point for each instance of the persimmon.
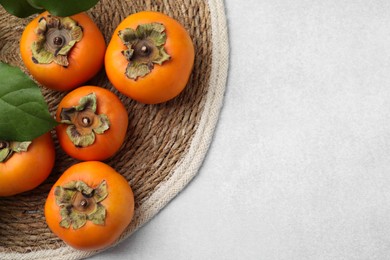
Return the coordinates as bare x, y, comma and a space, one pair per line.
62, 53
93, 123
150, 57
89, 206
25, 165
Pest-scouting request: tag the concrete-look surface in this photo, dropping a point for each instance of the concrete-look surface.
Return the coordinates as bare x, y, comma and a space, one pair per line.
299, 167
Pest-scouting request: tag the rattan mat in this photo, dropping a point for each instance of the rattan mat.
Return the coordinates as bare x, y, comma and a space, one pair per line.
165, 143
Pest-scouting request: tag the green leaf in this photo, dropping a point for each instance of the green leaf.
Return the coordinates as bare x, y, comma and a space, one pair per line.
24, 114
19, 8
65, 8
24, 8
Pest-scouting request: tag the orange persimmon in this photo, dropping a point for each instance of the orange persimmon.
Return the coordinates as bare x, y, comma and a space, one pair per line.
89, 206
93, 123
150, 57
27, 166
61, 53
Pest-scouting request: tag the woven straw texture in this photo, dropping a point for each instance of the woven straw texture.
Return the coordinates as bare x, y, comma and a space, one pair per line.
165, 143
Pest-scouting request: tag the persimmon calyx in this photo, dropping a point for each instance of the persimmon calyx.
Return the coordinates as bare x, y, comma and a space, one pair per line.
56, 37
145, 47
80, 203
83, 121
8, 148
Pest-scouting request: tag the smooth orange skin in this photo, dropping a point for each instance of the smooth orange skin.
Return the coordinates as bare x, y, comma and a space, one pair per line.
119, 206
106, 144
26, 170
164, 82
85, 59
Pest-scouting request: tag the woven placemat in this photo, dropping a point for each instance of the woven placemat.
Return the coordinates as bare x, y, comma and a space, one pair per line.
165, 144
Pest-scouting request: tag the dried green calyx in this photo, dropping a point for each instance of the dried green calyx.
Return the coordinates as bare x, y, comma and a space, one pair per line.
56, 37
145, 47
83, 121
8, 148
80, 203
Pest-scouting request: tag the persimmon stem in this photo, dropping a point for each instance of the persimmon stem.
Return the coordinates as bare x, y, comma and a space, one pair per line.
58, 40
86, 121
84, 203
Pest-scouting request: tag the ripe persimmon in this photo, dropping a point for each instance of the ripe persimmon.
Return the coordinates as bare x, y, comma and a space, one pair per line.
62, 53
93, 123
89, 206
25, 165
150, 57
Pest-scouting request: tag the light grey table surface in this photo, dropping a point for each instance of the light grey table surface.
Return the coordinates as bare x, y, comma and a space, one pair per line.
299, 167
